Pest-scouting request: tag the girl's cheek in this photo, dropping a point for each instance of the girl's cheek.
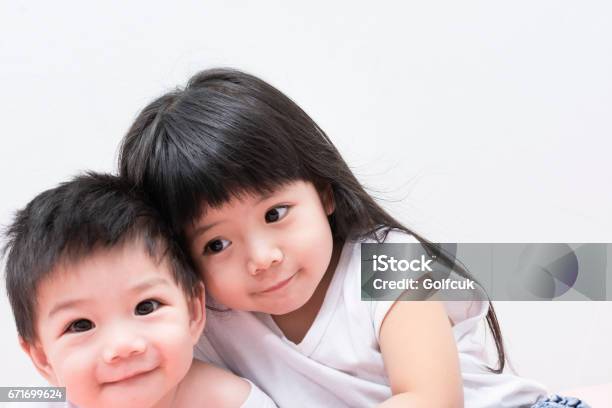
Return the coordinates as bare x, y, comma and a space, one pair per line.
224, 285
202, 265
220, 264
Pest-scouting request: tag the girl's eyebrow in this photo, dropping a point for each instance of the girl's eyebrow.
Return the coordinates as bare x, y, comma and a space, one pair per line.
265, 196
203, 228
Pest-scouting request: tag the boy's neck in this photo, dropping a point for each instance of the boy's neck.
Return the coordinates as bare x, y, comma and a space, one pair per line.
168, 400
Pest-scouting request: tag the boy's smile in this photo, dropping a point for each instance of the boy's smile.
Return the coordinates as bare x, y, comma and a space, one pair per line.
265, 253
115, 329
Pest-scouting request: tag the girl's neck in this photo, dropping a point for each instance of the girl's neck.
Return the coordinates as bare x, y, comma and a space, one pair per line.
296, 324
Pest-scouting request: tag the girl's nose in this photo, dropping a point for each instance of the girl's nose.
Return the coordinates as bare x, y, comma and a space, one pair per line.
262, 256
123, 345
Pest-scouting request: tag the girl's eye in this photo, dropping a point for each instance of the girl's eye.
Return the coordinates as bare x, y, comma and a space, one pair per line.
80, 325
217, 245
276, 213
146, 306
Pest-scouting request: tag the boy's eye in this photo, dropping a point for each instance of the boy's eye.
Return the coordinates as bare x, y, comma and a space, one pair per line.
80, 325
276, 213
217, 245
147, 306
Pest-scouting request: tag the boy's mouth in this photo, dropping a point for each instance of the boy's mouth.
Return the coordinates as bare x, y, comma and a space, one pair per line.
129, 375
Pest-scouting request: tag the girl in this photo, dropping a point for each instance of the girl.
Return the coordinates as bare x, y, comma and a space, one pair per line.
273, 218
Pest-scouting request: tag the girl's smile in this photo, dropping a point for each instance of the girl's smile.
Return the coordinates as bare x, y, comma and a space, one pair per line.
277, 287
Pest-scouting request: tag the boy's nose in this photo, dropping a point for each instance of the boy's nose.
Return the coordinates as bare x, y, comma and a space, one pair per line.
123, 346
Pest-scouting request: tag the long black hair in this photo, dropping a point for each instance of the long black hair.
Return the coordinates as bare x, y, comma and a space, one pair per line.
228, 133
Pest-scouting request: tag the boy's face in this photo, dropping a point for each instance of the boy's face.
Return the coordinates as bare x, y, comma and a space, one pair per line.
265, 254
115, 329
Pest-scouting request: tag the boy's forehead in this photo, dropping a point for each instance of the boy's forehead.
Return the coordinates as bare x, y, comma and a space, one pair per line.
117, 268
135, 250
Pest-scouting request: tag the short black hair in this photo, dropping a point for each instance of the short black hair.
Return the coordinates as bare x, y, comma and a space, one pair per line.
67, 223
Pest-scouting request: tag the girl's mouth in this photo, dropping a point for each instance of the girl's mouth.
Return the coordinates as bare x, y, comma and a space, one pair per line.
278, 285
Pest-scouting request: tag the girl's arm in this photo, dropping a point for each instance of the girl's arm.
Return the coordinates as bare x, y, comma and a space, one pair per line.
420, 356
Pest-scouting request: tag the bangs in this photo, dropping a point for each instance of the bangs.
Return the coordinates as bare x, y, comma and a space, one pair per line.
210, 148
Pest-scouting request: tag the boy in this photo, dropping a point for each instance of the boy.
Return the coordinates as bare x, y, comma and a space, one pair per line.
108, 306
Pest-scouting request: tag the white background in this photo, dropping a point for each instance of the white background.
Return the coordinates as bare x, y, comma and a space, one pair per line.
475, 121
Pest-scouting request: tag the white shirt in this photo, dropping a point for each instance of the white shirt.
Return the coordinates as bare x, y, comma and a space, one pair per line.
339, 363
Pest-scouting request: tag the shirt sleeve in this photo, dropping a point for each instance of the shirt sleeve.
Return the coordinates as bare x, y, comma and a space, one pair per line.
379, 311
380, 308
257, 398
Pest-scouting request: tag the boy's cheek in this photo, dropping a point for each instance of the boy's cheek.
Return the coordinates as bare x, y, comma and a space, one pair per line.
174, 344
74, 368
170, 338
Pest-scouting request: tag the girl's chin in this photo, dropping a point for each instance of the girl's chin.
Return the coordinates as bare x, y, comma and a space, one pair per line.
284, 307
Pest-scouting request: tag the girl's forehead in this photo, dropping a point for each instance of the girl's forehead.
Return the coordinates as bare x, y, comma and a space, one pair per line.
236, 201
253, 197
249, 195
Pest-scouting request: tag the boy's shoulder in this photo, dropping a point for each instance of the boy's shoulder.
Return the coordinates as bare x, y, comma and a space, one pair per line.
207, 385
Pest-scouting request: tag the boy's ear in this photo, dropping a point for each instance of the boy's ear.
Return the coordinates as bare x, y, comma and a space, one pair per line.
327, 198
39, 358
198, 314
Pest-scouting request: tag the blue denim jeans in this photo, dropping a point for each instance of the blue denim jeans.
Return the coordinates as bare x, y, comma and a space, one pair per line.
557, 401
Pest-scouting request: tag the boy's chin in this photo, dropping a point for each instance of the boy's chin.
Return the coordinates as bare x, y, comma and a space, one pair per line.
138, 393
132, 399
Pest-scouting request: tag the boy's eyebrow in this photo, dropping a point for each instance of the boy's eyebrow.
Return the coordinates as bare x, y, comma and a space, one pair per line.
149, 284
71, 303
65, 305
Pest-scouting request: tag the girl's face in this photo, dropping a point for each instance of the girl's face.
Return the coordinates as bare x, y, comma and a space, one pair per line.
265, 253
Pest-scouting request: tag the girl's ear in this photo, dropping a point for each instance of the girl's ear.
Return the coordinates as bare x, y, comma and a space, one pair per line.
327, 198
198, 314
37, 354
